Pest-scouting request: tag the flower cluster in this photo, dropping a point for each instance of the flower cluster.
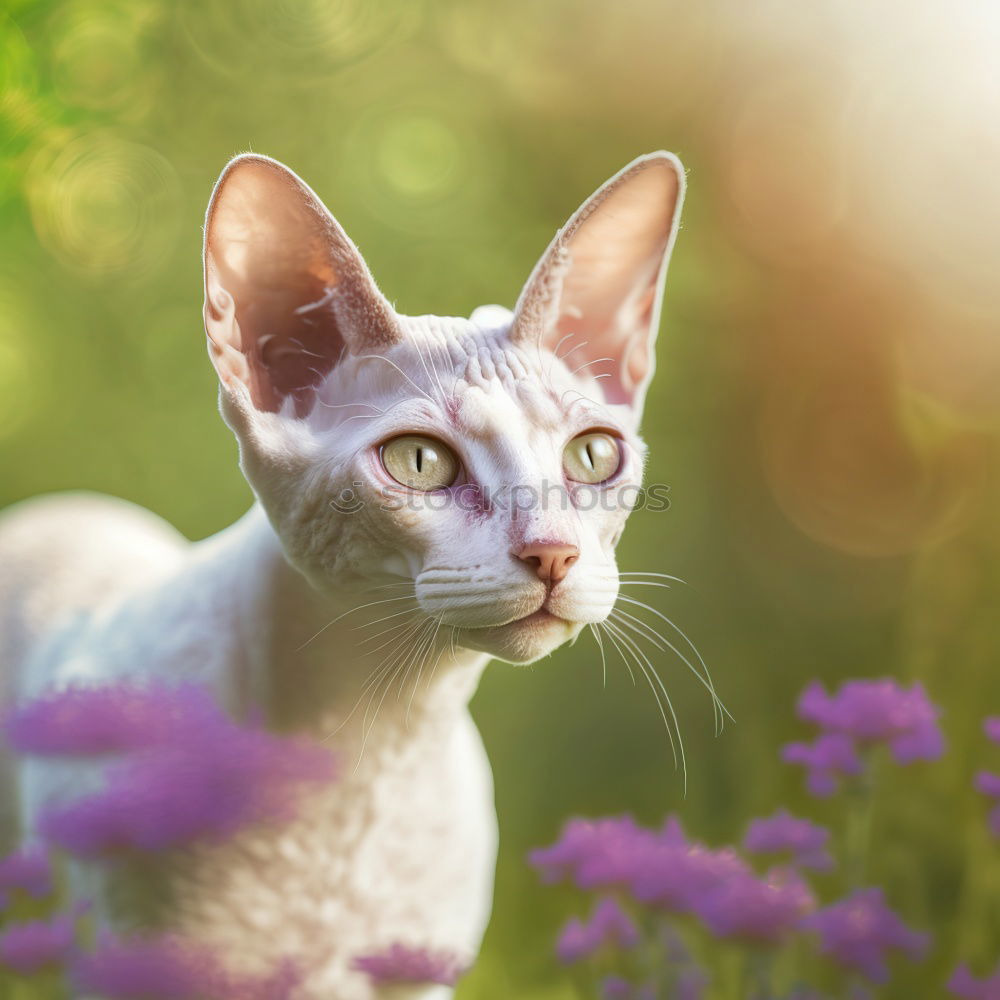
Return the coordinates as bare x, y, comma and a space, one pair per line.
860, 930
686, 896
804, 842
862, 715
180, 768
965, 985
400, 963
989, 783
31, 946
165, 968
174, 768
28, 870
609, 925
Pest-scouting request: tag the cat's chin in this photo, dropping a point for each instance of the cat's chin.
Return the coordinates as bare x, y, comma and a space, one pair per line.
523, 640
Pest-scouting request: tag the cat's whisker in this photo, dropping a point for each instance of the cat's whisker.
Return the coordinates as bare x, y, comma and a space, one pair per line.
449, 365
440, 656
562, 340
659, 576
385, 618
389, 361
646, 631
604, 628
649, 671
704, 666
343, 406
600, 645
360, 416
391, 674
587, 364
429, 370
420, 650
583, 398
578, 347
385, 631
375, 676
334, 621
423, 663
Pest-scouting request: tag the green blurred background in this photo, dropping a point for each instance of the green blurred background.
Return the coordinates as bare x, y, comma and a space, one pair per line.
828, 398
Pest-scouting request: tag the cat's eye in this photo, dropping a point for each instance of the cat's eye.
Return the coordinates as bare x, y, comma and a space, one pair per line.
592, 457
420, 463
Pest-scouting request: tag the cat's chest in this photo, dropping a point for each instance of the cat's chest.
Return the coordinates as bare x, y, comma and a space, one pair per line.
399, 850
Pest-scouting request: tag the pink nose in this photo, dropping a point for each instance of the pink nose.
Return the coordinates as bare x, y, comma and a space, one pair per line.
550, 560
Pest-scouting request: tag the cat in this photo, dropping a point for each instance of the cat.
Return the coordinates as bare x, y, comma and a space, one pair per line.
431, 493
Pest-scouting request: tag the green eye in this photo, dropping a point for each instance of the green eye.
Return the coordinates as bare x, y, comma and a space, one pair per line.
420, 463
592, 457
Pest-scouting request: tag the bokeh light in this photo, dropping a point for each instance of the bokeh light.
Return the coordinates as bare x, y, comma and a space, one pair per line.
103, 204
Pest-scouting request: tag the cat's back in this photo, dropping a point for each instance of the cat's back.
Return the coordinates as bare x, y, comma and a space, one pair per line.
65, 553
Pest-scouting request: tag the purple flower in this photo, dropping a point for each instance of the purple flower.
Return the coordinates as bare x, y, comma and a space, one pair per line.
691, 984
166, 968
619, 988
992, 728
878, 711
859, 930
676, 877
28, 869
784, 833
111, 718
198, 774
827, 760
30, 947
759, 910
964, 984
152, 968
402, 964
609, 924
989, 785
593, 853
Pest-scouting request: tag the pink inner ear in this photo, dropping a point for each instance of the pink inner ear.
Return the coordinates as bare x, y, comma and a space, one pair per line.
611, 256
300, 292
618, 247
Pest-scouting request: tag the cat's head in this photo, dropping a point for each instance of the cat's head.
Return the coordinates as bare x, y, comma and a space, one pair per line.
490, 462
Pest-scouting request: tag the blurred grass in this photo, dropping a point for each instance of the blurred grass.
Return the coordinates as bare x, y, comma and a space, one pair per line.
825, 411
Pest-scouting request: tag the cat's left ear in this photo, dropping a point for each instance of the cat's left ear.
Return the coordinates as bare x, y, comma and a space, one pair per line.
598, 287
286, 291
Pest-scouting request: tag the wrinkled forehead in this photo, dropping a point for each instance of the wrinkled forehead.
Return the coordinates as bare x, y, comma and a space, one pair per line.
474, 374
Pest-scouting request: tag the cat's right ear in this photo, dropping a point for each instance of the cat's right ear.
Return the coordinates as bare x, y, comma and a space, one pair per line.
286, 291
599, 285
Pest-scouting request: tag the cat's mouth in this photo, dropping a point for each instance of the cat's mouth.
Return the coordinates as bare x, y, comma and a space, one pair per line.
540, 617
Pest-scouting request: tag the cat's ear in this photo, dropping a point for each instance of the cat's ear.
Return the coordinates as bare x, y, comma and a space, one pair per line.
600, 282
286, 291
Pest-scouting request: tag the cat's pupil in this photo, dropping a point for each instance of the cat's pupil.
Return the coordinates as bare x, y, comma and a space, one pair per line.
420, 459
590, 456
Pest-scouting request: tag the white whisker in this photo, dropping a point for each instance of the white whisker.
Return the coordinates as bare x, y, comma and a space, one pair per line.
360, 607
388, 361
644, 662
683, 635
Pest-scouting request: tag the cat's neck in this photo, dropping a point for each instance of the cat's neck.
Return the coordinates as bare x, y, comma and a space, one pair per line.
339, 661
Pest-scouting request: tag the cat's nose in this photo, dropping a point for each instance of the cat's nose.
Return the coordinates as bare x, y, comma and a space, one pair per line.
550, 560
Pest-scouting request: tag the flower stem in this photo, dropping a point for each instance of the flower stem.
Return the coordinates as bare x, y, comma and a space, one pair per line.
860, 821
757, 975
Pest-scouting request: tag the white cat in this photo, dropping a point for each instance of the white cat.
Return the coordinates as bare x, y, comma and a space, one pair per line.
447, 484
